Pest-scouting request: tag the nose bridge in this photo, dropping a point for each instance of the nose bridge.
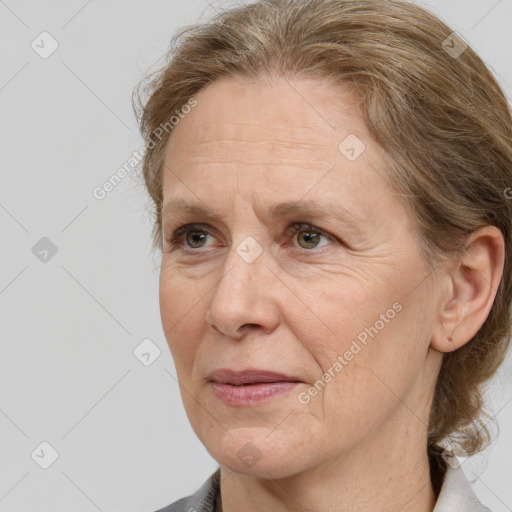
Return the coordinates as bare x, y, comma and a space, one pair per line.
246, 255
242, 296
244, 264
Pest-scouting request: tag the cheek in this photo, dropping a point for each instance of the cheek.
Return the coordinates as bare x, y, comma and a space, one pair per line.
182, 315
329, 315
180, 295
368, 340
379, 363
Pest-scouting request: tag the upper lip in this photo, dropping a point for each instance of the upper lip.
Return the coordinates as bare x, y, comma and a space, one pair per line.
249, 376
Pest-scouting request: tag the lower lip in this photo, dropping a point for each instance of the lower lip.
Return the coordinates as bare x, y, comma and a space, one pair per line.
250, 394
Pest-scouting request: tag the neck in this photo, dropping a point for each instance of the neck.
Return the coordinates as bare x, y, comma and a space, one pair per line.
384, 474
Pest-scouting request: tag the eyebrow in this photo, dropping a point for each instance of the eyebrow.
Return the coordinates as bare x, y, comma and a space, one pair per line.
302, 208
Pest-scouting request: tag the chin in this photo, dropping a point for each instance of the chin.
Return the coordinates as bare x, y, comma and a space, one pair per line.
253, 452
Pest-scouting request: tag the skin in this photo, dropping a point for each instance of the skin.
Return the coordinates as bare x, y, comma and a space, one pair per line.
360, 443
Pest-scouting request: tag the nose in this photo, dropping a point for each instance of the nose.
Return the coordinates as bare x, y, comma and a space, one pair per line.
244, 298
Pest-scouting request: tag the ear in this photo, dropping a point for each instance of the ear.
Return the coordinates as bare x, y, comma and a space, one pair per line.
472, 281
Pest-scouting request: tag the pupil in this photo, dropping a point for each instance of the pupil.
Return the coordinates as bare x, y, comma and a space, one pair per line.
309, 237
193, 236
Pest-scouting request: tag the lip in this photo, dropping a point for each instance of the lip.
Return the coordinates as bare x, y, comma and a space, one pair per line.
249, 387
249, 376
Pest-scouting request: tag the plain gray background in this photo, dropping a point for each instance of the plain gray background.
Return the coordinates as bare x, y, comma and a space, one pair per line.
70, 321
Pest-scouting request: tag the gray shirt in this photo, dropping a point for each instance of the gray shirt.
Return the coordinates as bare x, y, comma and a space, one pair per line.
456, 495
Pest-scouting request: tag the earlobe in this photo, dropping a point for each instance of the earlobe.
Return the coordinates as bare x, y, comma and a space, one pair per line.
474, 279
447, 337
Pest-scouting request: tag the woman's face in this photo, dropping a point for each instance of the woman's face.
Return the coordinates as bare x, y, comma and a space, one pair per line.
330, 290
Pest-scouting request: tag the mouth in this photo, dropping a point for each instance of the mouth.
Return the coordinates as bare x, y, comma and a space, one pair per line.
249, 387
248, 377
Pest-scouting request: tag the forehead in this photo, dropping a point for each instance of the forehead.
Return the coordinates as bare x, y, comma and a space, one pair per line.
278, 139
307, 124
311, 113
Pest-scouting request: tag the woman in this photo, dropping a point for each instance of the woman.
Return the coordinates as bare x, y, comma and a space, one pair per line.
329, 184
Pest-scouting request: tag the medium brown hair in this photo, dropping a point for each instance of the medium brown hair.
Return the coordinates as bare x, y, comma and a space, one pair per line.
442, 119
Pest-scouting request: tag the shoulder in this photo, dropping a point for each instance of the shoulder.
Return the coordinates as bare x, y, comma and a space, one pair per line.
203, 500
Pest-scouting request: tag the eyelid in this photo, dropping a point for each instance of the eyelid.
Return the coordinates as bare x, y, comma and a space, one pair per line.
308, 225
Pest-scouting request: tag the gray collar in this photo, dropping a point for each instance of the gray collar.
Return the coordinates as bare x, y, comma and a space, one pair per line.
203, 500
456, 495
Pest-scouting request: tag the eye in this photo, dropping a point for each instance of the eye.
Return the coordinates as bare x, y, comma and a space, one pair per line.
308, 235
191, 236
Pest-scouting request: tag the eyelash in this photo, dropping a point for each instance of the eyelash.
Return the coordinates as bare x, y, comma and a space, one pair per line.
177, 235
